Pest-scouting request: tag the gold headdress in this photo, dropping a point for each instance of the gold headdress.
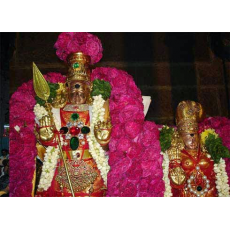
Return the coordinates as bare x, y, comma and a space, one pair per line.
188, 114
79, 69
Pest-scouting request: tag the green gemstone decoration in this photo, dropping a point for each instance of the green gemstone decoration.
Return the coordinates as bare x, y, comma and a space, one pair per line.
85, 130
74, 143
76, 65
74, 116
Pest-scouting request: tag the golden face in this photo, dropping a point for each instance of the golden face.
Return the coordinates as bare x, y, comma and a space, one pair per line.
78, 92
191, 140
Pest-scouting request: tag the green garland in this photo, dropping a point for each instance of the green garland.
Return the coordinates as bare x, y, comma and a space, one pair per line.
166, 134
216, 148
101, 87
53, 93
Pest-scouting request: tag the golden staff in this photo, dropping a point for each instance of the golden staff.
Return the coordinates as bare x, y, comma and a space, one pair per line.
42, 90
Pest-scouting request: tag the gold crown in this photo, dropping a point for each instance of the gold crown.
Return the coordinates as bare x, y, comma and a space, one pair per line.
188, 114
79, 69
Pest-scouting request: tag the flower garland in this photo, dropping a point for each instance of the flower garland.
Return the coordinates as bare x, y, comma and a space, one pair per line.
221, 125
165, 165
134, 149
22, 138
22, 141
48, 168
222, 179
97, 152
40, 111
213, 143
72, 42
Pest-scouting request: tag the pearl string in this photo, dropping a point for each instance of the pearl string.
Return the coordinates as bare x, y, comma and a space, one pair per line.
198, 193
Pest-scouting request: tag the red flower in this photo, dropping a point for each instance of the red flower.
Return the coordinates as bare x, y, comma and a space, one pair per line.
124, 144
135, 171
133, 128
128, 133
134, 151
72, 42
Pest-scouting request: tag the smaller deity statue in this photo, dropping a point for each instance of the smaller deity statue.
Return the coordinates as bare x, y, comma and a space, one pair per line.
191, 171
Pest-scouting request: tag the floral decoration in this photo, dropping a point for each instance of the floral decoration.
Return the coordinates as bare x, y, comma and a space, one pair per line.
214, 145
165, 164
40, 111
101, 87
49, 167
134, 148
72, 42
166, 134
221, 125
222, 179
97, 152
22, 138
204, 135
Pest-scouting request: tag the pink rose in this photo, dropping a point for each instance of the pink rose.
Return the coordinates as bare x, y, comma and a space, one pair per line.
118, 131
151, 126
131, 113
135, 171
128, 189
144, 186
55, 77
114, 157
157, 188
132, 128
124, 144
152, 152
89, 44
113, 144
121, 167
135, 151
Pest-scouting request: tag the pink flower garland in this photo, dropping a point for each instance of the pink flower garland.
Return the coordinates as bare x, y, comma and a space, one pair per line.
72, 42
23, 143
134, 149
222, 128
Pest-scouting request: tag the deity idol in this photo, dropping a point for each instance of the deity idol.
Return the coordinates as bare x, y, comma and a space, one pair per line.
71, 109
73, 128
191, 170
70, 130
70, 117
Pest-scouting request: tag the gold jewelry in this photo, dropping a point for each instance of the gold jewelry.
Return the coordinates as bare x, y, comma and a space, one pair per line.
79, 69
188, 114
81, 174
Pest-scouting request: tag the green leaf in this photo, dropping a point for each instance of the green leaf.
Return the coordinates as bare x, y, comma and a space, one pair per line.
101, 87
53, 87
216, 148
166, 138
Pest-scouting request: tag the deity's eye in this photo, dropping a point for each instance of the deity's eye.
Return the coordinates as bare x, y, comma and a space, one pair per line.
192, 134
66, 84
77, 86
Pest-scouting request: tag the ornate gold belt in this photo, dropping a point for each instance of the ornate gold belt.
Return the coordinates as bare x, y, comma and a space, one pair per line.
81, 175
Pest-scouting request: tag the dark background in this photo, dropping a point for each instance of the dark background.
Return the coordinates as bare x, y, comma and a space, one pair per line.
169, 67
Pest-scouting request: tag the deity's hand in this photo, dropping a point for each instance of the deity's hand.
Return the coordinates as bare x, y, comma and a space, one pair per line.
102, 132
47, 128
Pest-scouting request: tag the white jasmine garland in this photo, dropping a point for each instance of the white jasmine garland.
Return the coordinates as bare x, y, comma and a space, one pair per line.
165, 165
40, 111
97, 152
222, 179
49, 166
